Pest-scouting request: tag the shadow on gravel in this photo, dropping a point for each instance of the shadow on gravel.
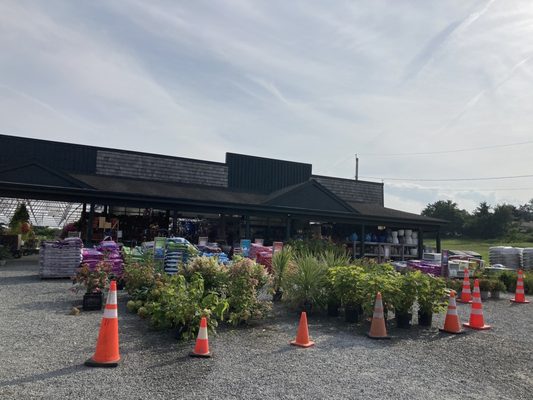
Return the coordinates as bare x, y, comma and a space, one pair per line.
18, 280
59, 307
41, 377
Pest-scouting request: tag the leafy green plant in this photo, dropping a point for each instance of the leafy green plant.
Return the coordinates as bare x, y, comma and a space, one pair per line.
215, 275
379, 278
344, 284
246, 278
305, 283
407, 291
430, 295
509, 279
485, 285
94, 280
181, 304
141, 277
280, 264
335, 258
454, 284
497, 286
315, 247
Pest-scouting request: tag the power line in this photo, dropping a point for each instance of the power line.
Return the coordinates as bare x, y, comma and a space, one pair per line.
448, 151
449, 189
492, 178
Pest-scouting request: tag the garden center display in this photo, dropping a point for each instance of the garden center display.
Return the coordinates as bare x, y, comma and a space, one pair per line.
60, 259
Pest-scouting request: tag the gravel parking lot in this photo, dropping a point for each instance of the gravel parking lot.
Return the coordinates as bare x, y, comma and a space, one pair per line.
42, 350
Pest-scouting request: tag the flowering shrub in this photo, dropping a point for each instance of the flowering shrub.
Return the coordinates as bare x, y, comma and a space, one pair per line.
92, 280
214, 274
246, 279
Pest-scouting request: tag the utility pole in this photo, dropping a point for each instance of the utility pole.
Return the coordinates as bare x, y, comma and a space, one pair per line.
356, 167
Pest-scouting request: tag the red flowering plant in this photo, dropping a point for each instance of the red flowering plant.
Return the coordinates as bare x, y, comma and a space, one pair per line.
92, 280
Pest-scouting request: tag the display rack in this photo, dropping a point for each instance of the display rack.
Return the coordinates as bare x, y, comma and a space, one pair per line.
383, 251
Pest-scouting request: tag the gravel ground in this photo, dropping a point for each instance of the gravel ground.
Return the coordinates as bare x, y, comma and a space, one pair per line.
42, 350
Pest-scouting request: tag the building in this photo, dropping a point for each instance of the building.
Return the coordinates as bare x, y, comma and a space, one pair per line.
246, 196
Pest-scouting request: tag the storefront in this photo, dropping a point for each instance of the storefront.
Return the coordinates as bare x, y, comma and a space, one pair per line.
134, 197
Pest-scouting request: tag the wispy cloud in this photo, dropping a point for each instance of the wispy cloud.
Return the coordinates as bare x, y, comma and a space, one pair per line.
300, 80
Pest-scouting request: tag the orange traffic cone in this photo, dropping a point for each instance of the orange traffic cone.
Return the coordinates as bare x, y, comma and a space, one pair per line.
466, 296
302, 336
452, 324
519, 296
201, 349
107, 354
476, 311
377, 327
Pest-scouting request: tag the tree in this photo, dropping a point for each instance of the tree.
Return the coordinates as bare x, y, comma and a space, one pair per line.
447, 210
502, 220
20, 216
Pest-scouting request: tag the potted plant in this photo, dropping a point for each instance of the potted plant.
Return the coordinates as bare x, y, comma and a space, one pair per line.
455, 284
496, 288
345, 285
305, 283
280, 263
484, 288
94, 281
431, 292
405, 297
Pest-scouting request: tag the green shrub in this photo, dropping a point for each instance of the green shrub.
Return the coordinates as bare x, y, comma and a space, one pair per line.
431, 294
141, 277
316, 247
335, 258
509, 279
181, 304
406, 293
215, 275
246, 278
305, 283
454, 284
485, 285
280, 264
344, 285
379, 279
497, 285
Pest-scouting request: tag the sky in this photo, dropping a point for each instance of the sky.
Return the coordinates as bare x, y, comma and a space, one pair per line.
309, 81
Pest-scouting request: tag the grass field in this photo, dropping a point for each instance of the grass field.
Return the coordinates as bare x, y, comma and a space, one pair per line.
479, 246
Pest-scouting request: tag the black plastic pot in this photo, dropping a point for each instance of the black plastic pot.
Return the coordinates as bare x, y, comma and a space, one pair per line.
333, 309
179, 332
484, 294
306, 306
277, 295
403, 320
92, 301
495, 295
352, 313
425, 319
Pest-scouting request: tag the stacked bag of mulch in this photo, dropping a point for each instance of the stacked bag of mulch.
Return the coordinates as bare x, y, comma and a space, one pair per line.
60, 259
428, 267
178, 251
112, 254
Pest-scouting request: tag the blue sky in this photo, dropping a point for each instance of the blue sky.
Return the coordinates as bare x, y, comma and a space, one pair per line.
309, 81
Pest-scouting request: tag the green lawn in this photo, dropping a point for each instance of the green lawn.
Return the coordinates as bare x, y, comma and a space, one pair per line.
479, 246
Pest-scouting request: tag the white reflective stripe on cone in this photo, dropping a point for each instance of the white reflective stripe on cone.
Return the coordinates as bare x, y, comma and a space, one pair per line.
477, 311
452, 311
466, 290
519, 291
378, 315
110, 313
112, 297
202, 334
